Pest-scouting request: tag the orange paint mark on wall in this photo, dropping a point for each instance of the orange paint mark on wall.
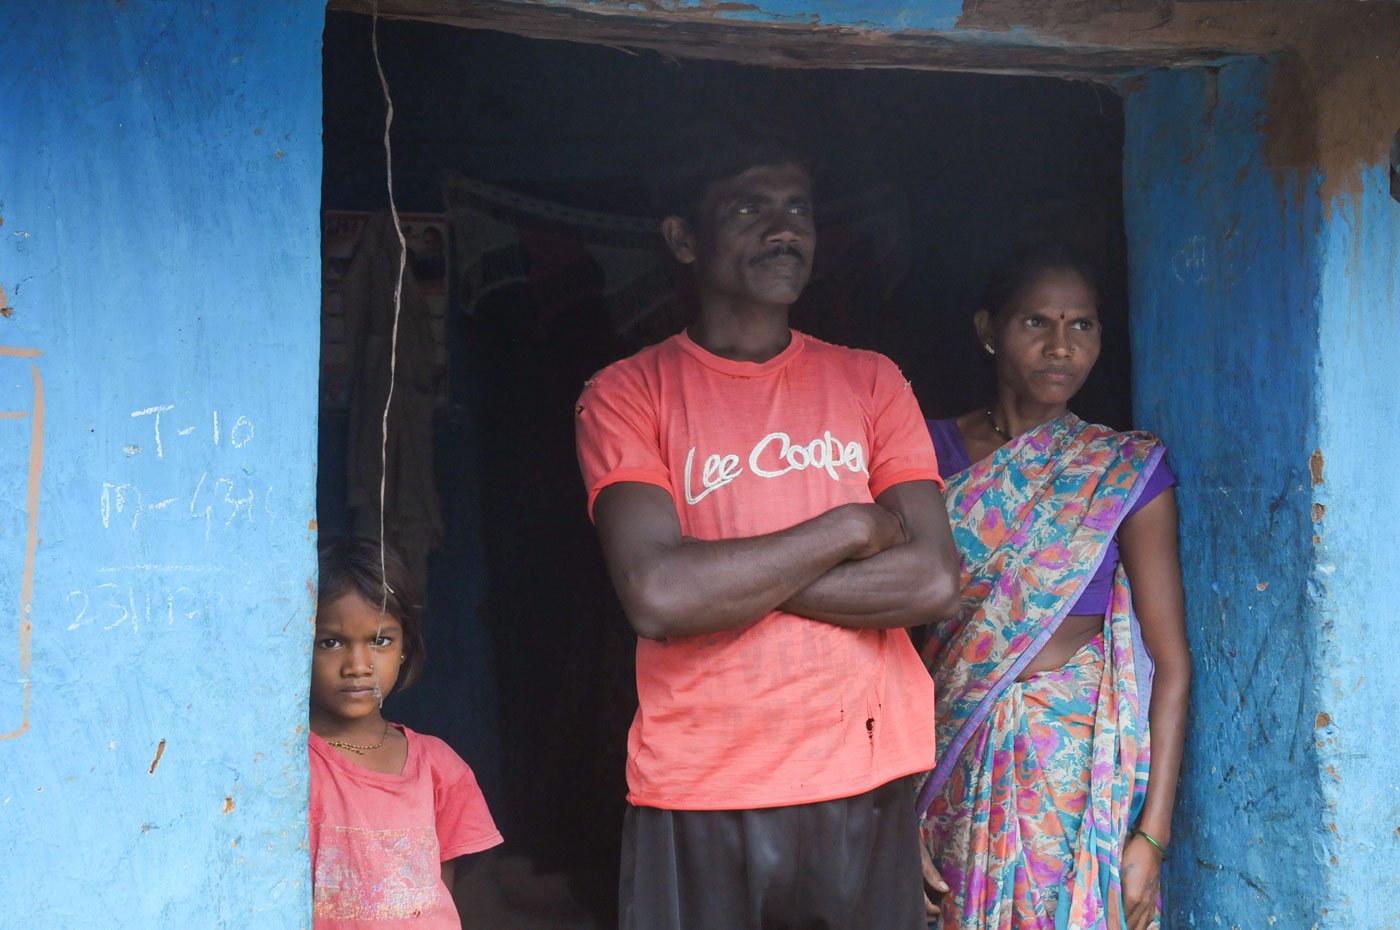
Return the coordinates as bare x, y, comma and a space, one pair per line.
31, 539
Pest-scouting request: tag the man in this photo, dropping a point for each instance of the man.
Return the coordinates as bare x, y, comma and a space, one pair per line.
769, 507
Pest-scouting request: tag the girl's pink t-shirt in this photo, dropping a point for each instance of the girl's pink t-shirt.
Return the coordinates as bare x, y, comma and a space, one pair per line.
787, 710
378, 841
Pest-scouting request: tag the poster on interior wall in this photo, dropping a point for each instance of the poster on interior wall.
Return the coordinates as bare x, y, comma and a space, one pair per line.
341, 230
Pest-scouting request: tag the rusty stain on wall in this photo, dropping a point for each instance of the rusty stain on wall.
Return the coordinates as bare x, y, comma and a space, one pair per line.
155, 763
1315, 464
1333, 103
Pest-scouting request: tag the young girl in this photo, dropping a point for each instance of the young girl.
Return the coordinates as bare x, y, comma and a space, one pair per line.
391, 809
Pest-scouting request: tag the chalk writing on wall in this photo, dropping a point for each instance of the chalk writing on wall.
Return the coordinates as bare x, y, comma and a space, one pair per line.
201, 502
1189, 263
134, 605
214, 501
28, 412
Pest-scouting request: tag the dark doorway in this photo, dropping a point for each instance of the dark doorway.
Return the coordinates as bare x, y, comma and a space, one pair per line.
929, 178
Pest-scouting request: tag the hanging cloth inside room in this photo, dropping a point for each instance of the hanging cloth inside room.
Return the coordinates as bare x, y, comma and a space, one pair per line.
412, 511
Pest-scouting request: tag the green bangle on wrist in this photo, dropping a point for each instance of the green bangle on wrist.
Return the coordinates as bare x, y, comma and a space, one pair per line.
1160, 848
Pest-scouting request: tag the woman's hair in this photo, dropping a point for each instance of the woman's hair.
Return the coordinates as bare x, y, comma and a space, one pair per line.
1017, 271
352, 566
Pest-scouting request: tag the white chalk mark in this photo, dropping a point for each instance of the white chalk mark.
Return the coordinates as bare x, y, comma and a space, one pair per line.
161, 505
216, 427
156, 411
208, 510
116, 497
82, 611
187, 430
197, 488
156, 567
170, 605
114, 605
1189, 264
233, 436
238, 503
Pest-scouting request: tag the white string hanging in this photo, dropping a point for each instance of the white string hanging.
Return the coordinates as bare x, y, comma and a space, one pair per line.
394, 336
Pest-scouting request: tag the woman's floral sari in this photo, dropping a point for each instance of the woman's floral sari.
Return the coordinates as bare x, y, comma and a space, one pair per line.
1039, 780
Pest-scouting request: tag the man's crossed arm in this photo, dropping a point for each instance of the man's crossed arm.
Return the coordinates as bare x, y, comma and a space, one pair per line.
887, 564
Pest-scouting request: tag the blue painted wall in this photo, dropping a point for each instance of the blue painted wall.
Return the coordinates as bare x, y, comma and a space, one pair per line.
159, 187
1224, 267
1356, 575
1266, 338
1266, 341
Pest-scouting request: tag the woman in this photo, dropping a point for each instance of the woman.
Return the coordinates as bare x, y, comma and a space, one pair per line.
1043, 813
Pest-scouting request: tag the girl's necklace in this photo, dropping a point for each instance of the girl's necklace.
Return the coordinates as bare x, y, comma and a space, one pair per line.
357, 749
997, 429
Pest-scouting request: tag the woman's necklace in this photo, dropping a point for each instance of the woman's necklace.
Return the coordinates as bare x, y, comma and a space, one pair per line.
999, 431
357, 749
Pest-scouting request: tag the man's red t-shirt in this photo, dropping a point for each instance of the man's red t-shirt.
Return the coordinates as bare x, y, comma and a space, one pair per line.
787, 710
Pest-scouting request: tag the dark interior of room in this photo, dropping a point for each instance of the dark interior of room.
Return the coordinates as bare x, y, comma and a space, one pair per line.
929, 177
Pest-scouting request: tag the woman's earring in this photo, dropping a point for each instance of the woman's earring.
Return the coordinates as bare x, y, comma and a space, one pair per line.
988, 347
401, 658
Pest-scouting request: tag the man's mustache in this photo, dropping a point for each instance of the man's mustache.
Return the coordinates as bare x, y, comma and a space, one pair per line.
778, 251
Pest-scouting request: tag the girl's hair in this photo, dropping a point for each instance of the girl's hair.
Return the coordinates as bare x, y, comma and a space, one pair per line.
351, 566
1017, 271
